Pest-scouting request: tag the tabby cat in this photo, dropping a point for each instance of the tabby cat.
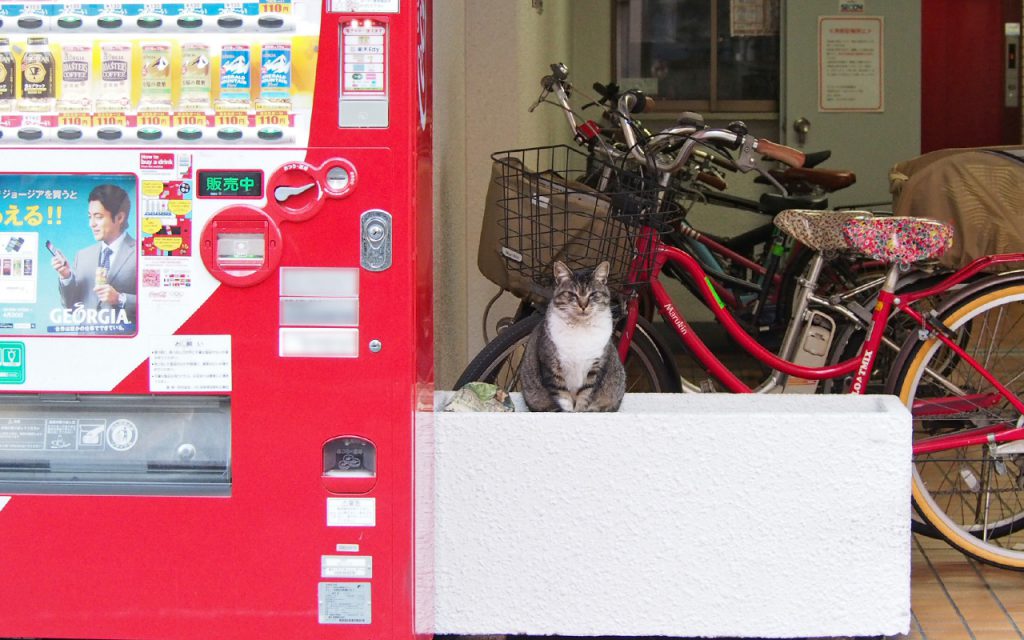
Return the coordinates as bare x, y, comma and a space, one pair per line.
571, 363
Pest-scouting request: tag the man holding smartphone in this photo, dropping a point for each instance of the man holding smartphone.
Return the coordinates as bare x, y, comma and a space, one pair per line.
104, 275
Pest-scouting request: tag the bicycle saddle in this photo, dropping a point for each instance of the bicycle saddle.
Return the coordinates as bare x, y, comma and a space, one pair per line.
774, 203
904, 240
797, 178
818, 230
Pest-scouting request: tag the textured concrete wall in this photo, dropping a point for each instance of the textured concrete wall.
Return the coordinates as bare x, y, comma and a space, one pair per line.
712, 515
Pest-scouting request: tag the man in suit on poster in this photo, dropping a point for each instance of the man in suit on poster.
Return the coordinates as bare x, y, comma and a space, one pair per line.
104, 274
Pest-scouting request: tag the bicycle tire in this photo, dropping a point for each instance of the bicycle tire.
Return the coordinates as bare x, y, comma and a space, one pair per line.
972, 499
498, 362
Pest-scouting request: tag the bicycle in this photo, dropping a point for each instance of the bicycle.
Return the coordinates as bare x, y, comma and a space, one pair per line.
745, 267
761, 291
967, 406
605, 168
745, 283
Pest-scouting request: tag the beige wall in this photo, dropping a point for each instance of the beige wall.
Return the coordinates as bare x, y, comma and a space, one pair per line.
489, 56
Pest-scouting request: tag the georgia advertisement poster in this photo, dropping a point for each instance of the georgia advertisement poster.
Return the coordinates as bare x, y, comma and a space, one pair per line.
68, 254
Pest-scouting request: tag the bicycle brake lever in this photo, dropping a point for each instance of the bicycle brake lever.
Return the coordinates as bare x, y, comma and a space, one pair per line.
541, 98
747, 161
770, 178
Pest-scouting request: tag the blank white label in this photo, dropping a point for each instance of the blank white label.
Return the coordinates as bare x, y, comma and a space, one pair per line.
302, 342
346, 567
351, 512
319, 312
322, 282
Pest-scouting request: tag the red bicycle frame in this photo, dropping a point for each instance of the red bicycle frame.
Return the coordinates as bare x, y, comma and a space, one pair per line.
653, 255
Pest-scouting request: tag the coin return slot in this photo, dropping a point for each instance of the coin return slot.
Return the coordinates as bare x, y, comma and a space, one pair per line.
350, 465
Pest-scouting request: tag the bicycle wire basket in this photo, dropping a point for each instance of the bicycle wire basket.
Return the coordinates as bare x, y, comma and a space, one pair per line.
542, 206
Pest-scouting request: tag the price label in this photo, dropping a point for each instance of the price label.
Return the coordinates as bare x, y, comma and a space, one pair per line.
272, 118
110, 119
190, 118
154, 119
232, 118
75, 119
282, 8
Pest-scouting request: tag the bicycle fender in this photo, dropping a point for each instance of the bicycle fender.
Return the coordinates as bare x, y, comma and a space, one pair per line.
970, 290
664, 350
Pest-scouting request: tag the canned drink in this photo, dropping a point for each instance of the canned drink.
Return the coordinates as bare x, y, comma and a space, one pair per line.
156, 76
235, 76
76, 85
115, 82
8, 75
37, 83
276, 74
101, 275
195, 76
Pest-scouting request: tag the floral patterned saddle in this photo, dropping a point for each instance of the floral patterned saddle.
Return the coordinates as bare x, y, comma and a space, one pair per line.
902, 240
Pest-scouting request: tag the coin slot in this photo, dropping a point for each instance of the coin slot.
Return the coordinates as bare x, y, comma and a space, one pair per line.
339, 177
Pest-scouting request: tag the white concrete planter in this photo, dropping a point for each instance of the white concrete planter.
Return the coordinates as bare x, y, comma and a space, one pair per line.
680, 515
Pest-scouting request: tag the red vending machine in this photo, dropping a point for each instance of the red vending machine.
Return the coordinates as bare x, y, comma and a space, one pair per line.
215, 319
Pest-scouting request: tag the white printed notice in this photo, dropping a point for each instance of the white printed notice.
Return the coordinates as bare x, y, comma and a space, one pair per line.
194, 364
850, 64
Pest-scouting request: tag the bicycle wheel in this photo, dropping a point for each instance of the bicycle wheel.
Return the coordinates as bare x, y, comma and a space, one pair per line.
972, 496
498, 362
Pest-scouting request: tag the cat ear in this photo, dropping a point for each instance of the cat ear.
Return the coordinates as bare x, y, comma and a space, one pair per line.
601, 272
562, 272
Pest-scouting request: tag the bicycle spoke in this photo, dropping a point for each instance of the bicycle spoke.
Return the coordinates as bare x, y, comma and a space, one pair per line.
974, 492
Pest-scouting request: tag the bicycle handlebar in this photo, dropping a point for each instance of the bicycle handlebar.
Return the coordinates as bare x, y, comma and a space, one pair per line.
780, 152
691, 132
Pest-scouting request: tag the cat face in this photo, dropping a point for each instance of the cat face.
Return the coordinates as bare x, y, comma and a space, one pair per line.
581, 295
